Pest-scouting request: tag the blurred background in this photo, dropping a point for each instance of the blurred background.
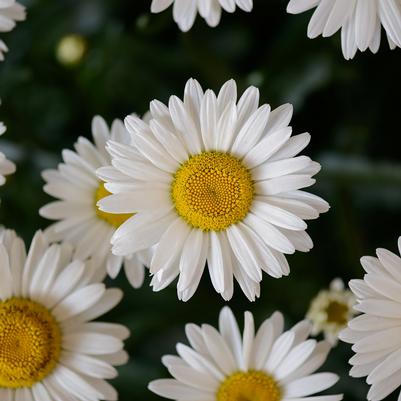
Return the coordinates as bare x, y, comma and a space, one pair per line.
127, 57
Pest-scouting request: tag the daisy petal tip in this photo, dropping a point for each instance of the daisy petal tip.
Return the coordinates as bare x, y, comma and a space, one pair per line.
227, 296
226, 311
293, 7
117, 250
42, 212
97, 120
131, 123
153, 386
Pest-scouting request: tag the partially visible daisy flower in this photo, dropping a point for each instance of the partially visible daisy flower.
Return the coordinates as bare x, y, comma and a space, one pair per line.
331, 310
185, 11
78, 189
376, 333
49, 347
213, 179
360, 22
6, 166
269, 365
10, 12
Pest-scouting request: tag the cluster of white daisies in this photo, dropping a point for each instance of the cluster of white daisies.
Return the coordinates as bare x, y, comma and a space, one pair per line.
360, 21
213, 180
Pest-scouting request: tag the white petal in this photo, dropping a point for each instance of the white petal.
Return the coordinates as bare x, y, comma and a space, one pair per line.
378, 340
218, 349
169, 246
248, 339
280, 349
160, 5
296, 357
88, 365
341, 10
79, 301
385, 369
271, 235
251, 131
174, 390
6, 281
215, 262
92, 343
193, 259
193, 378
208, 120
299, 6
73, 383
310, 384
185, 124
199, 362
229, 330
262, 345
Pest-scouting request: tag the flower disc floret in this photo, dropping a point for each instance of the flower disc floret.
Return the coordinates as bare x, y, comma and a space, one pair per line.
249, 386
337, 312
30, 343
212, 191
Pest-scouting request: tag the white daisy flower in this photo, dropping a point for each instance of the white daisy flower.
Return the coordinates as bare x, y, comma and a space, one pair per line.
360, 22
6, 166
10, 12
376, 334
215, 180
185, 11
331, 310
78, 189
269, 365
49, 347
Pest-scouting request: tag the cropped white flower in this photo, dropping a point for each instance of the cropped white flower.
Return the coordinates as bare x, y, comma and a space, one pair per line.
212, 179
49, 347
81, 222
376, 334
360, 22
331, 310
6, 166
185, 11
271, 365
10, 12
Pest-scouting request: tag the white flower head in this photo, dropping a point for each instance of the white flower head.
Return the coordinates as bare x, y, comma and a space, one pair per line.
331, 310
7, 167
185, 11
214, 180
360, 22
271, 364
50, 349
79, 221
10, 12
376, 333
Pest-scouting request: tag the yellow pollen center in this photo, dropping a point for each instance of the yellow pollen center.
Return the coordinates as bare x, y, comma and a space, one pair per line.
337, 312
113, 219
212, 190
249, 386
30, 343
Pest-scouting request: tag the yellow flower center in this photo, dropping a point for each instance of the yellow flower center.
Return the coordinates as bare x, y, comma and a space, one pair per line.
212, 190
249, 386
30, 343
337, 312
113, 219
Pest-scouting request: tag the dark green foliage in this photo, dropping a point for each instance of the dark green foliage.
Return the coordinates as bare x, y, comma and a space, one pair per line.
351, 108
